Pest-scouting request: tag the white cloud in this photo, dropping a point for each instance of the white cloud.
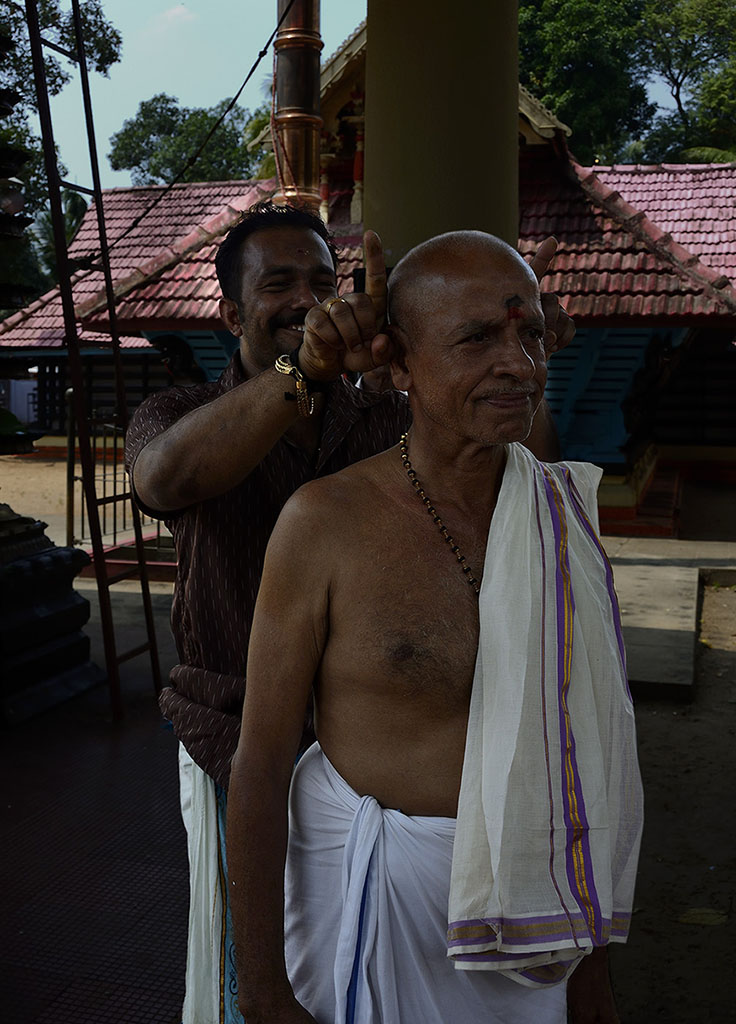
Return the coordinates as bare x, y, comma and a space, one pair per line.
173, 17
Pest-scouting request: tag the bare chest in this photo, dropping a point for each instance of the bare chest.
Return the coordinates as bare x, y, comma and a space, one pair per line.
402, 614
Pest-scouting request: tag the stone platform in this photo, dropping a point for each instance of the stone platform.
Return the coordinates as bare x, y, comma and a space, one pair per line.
658, 585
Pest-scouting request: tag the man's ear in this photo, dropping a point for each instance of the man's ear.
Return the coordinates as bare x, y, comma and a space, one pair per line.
230, 316
400, 372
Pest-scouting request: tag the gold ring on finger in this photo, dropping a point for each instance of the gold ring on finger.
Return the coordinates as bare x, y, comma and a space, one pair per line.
331, 302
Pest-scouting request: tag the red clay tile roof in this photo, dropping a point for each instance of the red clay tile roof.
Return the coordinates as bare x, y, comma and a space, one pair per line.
187, 218
41, 325
695, 203
185, 294
188, 211
613, 263
657, 245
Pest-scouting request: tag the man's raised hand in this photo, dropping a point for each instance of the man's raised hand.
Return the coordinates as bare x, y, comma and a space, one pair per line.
560, 329
347, 333
376, 282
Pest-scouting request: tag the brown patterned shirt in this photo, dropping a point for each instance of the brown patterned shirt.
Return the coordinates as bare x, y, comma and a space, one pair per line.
221, 544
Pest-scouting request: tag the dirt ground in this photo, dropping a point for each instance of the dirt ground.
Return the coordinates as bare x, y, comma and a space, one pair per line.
36, 487
678, 964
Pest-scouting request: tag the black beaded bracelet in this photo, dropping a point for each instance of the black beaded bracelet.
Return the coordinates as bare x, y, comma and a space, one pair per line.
320, 386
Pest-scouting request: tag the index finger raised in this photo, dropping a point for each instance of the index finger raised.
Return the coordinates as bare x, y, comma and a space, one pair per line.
542, 258
375, 274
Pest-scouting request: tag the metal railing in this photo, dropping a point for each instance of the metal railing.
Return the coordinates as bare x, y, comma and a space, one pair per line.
107, 444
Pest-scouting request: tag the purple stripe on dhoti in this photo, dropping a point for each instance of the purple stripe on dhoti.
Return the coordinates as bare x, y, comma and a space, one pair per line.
579, 508
582, 883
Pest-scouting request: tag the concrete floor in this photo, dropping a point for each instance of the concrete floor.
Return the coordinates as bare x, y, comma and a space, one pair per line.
94, 872
657, 581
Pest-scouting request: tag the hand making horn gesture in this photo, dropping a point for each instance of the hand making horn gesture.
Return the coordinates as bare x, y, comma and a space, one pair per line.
560, 328
346, 332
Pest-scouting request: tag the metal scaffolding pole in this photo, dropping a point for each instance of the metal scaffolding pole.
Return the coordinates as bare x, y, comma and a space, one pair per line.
105, 579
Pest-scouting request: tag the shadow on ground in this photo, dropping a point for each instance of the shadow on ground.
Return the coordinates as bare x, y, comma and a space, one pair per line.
94, 870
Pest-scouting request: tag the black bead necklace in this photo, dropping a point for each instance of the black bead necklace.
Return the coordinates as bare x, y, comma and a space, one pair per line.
447, 537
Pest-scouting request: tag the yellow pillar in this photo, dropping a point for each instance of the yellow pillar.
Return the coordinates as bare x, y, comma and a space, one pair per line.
441, 134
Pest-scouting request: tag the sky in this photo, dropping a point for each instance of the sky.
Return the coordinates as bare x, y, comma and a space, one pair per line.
199, 51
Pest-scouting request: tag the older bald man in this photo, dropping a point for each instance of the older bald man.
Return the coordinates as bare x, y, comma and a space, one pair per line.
463, 835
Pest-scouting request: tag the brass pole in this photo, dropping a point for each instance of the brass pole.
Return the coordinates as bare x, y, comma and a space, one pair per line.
297, 117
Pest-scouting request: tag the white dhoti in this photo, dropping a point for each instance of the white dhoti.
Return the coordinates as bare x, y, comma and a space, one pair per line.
366, 916
550, 809
211, 995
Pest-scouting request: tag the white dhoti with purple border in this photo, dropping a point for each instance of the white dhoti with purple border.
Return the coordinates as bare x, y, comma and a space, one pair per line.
550, 811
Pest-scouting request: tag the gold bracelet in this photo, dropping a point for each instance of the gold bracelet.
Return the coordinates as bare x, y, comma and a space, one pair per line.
304, 402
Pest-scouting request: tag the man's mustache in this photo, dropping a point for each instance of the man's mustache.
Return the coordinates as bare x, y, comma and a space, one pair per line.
277, 322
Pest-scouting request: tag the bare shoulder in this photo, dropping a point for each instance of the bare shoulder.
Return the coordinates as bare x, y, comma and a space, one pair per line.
333, 497
319, 523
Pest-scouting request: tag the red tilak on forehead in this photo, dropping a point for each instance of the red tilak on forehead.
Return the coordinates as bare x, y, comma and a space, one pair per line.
513, 308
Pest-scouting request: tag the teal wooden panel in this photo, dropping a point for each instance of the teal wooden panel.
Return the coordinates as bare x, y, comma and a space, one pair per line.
208, 351
212, 350
587, 384
568, 376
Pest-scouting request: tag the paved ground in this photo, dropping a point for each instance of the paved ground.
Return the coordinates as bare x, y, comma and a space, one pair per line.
94, 873
677, 967
94, 870
94, 867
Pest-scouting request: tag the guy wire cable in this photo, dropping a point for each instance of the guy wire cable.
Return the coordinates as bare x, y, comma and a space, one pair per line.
87, 261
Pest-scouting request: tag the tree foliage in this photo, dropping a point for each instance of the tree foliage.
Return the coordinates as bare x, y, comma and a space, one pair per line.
73, 208
685, 40
691, 45
589, 61
33, 172
157, 143
714, 117
102, 41
32, 259
21, 263
579, 58
264, 158
103, 45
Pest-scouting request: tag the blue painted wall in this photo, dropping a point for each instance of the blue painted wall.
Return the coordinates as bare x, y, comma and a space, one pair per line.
212, 350
588, 381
